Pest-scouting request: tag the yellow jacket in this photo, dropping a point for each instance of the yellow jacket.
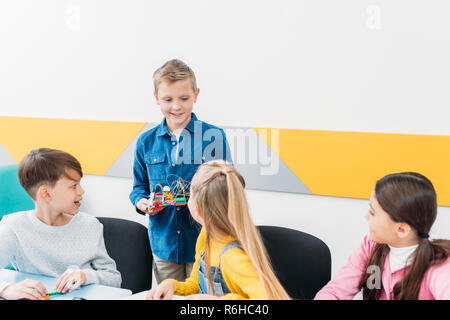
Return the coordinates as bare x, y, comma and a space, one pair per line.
237, 270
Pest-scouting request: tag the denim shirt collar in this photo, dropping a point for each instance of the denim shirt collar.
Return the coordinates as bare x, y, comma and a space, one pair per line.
162, 129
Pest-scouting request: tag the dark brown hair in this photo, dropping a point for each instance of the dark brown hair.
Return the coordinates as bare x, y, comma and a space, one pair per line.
45, 166
408, 197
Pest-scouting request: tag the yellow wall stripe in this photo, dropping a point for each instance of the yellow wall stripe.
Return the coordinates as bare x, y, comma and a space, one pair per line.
332, 163
96, 144
347, 164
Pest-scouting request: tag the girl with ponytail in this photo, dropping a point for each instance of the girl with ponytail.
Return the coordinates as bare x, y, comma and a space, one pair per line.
397, 260
231, 261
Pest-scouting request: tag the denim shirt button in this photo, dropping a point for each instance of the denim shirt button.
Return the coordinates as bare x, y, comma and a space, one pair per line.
178, 231
173, 164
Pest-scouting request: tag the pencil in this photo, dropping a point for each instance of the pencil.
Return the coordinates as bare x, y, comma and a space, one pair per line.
48, 295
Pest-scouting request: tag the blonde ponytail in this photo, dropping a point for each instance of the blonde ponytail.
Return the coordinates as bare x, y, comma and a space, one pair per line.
218, 189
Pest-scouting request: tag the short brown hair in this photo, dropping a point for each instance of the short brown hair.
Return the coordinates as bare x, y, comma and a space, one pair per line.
45, 166
174, 70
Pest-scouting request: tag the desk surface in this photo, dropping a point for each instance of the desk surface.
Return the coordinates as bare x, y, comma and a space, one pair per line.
89, 292
143, 294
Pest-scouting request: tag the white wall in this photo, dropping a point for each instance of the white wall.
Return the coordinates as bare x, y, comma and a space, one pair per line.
353, 65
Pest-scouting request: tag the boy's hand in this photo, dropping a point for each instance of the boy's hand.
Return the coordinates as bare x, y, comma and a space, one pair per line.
143, 204
26, 289
70, 280
164, 291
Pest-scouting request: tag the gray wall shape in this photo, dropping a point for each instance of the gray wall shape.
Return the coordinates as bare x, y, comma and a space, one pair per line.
123, 166
5, 157
259, 173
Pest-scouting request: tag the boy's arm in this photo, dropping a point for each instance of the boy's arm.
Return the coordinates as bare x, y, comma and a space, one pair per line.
141, 188
8, 243
104, 270
3, 285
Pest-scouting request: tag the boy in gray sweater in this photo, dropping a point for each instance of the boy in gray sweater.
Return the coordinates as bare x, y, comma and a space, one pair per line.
54, 239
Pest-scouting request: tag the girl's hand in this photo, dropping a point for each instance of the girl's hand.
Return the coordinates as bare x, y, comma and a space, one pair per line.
201, 297
143, 205
164, 291
26, 289
70, 280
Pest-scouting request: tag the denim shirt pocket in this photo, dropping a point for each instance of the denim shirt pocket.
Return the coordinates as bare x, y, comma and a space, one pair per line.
156, 167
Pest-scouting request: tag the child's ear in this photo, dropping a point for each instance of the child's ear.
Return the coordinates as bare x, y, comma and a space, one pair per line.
155, 93
198, 214
403, 230
197, 210
197, 91
44, 193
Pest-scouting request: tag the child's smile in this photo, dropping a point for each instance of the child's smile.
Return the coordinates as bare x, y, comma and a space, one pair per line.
66, 190
176, 100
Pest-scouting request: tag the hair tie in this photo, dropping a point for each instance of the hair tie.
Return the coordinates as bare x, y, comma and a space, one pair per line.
423, 235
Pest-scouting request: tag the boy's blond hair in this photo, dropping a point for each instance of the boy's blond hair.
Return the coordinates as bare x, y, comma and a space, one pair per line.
218, 190
174, 70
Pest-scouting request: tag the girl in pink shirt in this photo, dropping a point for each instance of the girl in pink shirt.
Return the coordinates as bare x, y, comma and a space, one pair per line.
397, 260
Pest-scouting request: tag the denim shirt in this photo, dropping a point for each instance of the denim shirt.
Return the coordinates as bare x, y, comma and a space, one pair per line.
159, 159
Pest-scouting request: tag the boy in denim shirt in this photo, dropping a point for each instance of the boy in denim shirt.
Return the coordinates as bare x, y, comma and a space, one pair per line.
177, 146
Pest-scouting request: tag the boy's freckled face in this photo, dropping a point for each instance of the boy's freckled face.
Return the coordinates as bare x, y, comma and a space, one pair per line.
176, 100
67, 193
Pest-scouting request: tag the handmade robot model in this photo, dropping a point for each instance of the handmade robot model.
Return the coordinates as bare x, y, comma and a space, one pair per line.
174, 194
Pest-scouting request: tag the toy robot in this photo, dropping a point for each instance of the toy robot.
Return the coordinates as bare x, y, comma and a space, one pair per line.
177, 194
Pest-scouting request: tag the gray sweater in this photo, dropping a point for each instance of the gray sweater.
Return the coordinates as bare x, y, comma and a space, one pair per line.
35, 247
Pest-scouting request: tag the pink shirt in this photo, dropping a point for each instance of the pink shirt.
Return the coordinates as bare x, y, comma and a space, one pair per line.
344, 286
